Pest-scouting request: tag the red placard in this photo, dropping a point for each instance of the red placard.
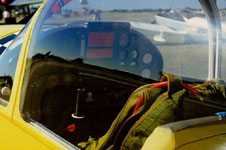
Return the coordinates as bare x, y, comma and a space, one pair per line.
100, 39
67, 1
99, 53
56, 8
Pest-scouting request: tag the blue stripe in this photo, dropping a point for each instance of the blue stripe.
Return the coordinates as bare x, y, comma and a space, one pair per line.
7, 39
2, 49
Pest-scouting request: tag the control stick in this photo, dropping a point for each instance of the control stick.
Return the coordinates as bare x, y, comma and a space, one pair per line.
75, 114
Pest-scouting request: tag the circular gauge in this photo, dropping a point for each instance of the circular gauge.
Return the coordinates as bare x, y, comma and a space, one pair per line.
132, 64
123, 39
134, 54
146, 73
123, 55
147, 58
122, 64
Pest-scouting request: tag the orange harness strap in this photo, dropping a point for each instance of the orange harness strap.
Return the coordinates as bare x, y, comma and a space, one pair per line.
164, 84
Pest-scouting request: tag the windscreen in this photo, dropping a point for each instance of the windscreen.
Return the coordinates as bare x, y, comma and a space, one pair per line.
222, 13
142, 37
86, 57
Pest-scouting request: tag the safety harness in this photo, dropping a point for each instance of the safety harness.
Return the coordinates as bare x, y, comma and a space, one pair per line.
148, 107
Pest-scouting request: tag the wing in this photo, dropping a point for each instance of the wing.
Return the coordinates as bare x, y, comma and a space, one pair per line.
189, 33
155, 27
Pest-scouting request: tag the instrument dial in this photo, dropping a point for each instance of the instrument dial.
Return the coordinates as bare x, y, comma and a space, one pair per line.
123, 55
134, 54
147, 59
123, 40
146, 73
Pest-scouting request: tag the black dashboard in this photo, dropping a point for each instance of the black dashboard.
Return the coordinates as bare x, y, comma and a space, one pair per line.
111, 45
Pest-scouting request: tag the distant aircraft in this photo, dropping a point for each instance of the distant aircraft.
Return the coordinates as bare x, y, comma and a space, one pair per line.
192, 25
83, 2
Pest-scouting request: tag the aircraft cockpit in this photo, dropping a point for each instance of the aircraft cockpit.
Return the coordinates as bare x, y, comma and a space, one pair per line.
93, 74
80, 78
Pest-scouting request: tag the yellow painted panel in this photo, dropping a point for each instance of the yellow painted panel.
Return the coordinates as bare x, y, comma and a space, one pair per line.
19, 134
13, 138
212, 143
6, 30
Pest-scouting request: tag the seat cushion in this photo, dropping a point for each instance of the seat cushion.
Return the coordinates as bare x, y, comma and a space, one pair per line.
208, 133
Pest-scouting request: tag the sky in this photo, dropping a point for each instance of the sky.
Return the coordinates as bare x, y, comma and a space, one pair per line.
144, 4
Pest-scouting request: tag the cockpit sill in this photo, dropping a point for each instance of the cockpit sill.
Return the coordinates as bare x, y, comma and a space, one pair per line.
39, 127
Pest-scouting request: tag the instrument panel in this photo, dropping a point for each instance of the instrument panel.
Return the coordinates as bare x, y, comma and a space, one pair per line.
112, 45
129, 50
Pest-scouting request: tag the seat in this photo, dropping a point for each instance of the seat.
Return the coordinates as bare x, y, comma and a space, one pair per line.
207, 133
